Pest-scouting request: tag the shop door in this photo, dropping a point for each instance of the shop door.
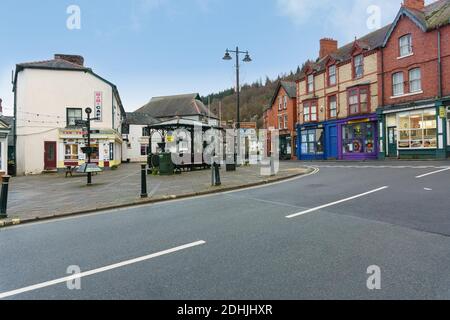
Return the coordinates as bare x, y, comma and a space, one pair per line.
50, 155
392, 141
332, 145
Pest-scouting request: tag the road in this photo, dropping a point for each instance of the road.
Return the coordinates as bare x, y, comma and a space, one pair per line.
242, 245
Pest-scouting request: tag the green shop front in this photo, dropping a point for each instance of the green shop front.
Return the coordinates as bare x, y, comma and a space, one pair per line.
414, 131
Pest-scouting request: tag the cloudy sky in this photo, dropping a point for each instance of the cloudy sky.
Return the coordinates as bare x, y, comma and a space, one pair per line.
161, 47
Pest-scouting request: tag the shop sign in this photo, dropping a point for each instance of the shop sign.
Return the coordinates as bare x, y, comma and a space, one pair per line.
98, 109
442, 112
358, 121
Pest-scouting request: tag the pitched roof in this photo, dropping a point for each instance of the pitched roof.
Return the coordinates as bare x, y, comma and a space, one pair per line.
61, 64
434, 15
176, 106
140, 119
288, 86
368, 42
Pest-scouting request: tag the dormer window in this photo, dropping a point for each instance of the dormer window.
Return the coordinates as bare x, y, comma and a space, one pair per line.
405, 44
358, 66
310, 86
332, 75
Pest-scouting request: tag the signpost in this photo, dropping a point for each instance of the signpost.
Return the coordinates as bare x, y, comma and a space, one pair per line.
88, 168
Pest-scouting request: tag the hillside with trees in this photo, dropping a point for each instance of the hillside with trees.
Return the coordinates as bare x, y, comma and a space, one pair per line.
255, 98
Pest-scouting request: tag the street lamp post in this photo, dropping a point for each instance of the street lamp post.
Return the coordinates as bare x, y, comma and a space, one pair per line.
247, 59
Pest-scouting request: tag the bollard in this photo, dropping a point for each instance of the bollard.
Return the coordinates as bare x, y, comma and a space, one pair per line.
217, 174
144, 193
4, 197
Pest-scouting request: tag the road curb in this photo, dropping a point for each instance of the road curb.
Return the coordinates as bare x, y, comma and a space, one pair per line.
138, 202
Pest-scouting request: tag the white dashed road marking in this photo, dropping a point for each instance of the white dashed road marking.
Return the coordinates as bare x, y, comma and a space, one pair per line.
434, 172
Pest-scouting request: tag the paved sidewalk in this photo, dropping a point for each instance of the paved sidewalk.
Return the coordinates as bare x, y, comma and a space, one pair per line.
45, 196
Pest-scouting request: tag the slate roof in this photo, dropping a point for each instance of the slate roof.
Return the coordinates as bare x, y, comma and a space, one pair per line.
140, 119
288, 86
368, 42
176, 106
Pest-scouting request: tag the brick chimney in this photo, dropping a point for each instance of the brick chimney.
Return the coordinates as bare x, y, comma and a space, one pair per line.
79, 60
327, 46
414, 4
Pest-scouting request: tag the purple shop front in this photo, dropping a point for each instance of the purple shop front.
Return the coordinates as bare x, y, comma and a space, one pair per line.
358, 138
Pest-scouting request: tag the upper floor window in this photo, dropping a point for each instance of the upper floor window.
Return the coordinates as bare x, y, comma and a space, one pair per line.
332, 75
73, 115
280, 103
332, 107
415, 80
358, 100
359, 66
286, 122
397, 84
285, 102
405, 44
146, 132
309, 112
310, 85
280, 122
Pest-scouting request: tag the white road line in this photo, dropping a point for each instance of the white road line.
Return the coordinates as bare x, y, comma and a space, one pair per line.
335, 203
99, 270
434, 172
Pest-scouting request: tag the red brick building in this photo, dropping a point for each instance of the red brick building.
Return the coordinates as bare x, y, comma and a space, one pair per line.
282, 115
414, 82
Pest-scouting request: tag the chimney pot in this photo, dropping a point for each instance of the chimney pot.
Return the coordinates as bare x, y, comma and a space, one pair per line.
79, 60
414, 4
327, 46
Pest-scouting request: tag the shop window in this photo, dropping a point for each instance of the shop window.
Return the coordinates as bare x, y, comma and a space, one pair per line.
332, 107
358, 66
71, 152
73, 115
144, 149
415, 80
417, 130
359, 138
397, 84
332, 75
405, 44
358, 101
312, 141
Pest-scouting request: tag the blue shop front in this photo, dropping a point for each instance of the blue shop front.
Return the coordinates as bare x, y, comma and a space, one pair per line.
318, 141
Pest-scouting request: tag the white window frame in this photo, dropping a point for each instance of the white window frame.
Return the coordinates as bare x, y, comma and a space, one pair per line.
313, 112
280, 103
415, 80
332, 75
359, 66
332, 109
409, 129
286, 121
407, 45
400, 84
285, 102
306, 113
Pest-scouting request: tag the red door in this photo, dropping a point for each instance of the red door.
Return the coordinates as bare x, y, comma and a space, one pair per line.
50, 155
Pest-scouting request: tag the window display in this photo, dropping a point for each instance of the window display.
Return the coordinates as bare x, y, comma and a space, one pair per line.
417, 129
359, 138
312, 141
71, 152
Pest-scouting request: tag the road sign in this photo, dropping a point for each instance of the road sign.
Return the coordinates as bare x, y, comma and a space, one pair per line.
89, 168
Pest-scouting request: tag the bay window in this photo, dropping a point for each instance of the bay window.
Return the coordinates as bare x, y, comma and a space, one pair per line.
358, 66
332, 107
415, 80
417, 129
332, 75
397, 84
358, 100
405, 44
310, 111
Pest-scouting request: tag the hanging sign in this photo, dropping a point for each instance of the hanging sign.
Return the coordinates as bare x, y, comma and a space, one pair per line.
442, 112
98, 109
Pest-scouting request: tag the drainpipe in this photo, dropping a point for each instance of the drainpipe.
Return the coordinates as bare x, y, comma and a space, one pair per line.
439, 63
15, 122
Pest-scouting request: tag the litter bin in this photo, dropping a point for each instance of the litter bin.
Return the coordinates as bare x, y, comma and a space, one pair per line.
166, 166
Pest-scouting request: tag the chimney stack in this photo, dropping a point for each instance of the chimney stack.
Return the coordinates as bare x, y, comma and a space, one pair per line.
414, 4
327, 46
79, 60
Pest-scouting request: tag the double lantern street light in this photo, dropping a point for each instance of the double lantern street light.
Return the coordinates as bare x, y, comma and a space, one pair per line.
246, 59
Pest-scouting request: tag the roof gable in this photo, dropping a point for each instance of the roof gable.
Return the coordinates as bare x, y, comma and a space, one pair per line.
289, 87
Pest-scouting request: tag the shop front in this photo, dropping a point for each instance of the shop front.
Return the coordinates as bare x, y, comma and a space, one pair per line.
106, 146
358, 138
416, 132
285, 147
311, 142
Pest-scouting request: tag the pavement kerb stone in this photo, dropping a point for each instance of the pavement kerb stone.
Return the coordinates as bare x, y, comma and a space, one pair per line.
138, 202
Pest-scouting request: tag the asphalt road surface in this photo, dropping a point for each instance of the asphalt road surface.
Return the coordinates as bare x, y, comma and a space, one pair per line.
309, 238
